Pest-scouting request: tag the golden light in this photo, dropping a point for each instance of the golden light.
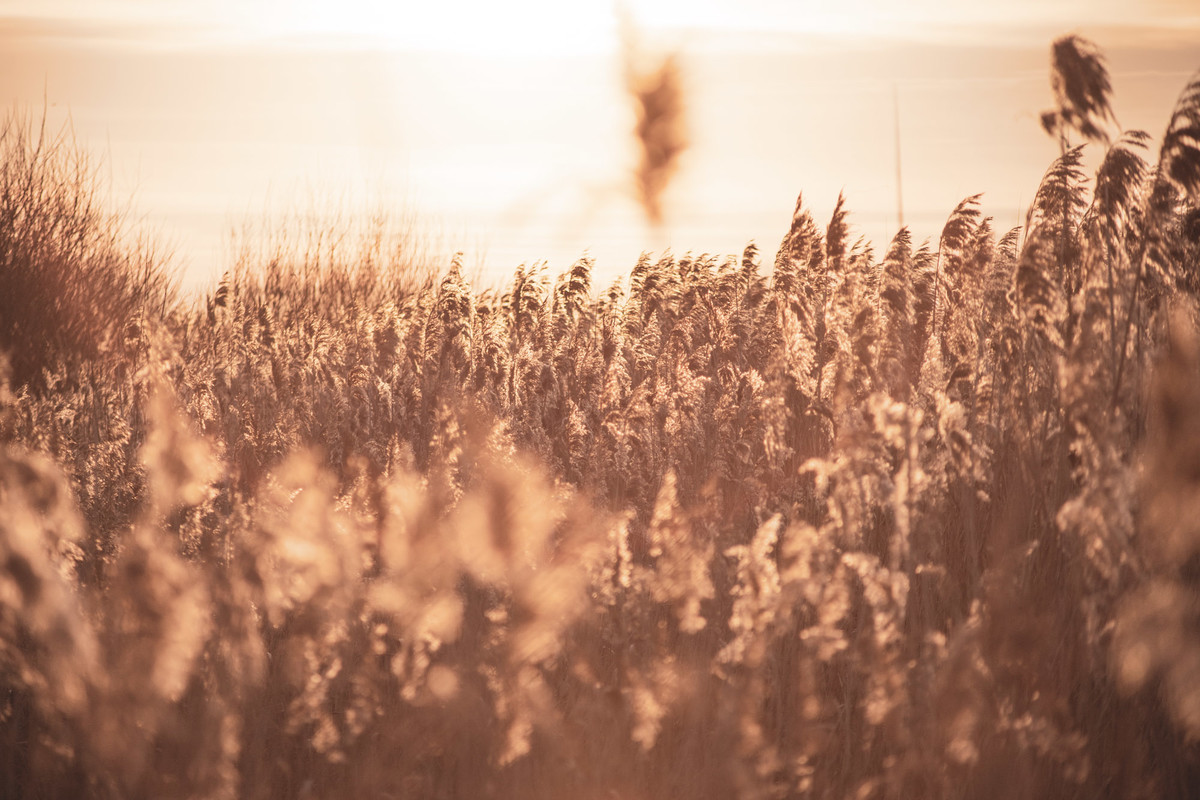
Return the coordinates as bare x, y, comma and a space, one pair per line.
470, 27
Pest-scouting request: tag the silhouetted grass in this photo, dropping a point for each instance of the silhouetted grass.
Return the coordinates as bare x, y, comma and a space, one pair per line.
73, 281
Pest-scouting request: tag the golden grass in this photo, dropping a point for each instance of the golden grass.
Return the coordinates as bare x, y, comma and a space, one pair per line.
911, 527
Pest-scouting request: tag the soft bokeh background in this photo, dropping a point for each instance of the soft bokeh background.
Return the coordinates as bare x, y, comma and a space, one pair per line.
505, 128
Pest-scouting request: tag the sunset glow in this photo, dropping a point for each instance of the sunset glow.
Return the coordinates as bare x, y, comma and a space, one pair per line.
542, 27
506, 126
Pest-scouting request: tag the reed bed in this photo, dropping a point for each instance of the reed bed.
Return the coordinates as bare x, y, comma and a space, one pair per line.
914, 524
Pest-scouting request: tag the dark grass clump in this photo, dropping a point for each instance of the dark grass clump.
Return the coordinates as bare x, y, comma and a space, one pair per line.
73, 284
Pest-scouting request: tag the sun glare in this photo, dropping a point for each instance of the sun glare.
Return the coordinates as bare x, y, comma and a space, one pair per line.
521, 27
548, 27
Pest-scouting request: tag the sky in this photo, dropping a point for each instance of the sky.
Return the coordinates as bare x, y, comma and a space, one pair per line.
506, 130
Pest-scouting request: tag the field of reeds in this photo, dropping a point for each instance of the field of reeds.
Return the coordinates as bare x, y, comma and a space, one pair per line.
828, 522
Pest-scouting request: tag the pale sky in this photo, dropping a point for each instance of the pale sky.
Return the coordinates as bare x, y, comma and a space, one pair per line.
505, 126
549, 26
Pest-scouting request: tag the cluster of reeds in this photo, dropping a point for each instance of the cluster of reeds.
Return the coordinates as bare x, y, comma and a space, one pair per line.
911, 525
72, 277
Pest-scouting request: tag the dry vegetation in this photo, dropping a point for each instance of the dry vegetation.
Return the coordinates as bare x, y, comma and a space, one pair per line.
922, 525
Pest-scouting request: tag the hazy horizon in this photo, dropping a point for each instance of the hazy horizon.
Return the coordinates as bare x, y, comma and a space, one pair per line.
516, 147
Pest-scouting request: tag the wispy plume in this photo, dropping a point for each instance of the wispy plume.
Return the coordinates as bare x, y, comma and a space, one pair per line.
1082, 91
654, 85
